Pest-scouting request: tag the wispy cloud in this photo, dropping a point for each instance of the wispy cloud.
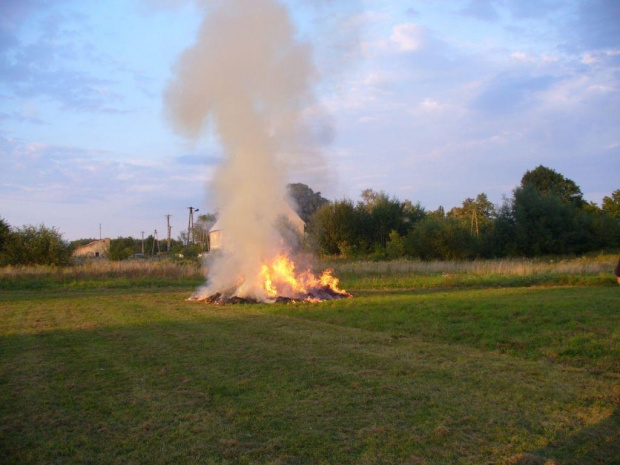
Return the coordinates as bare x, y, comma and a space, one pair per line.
507, 93
596, 26
435, 103
484, 10
408, 37
198, 159
50, 65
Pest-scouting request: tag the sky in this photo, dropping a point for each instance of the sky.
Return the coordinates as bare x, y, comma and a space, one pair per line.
430, 101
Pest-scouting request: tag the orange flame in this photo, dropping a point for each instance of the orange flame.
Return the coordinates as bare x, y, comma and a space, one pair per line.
280, 279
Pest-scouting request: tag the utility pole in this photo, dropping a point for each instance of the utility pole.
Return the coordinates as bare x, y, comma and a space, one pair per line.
169, 231
474, 221
142, 242
190, 224
99, 231
155, 239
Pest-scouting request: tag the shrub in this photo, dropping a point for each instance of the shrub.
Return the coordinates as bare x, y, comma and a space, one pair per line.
395, 247
34, 245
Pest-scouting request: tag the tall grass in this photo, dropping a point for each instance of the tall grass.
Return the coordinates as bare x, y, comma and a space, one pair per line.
512, 267
102, 273
412, 274
591, 270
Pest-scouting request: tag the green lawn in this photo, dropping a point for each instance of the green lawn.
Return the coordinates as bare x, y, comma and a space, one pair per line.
437, 376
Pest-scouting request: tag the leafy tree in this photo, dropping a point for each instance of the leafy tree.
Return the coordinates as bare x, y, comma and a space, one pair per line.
478, 213
5, 240
189, 252
411, 214
370, 198
547, 181
334, 228
436, 238
395, 247
152, 246
122, 248
611, 204
35, 245
201, 229
308, 201
384, 214
547, 224
499, 238
176, 246
5, 231
182, 237
439, 213
604, 231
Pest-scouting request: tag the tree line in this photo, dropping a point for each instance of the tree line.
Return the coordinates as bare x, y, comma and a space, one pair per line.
545, 215
40, 245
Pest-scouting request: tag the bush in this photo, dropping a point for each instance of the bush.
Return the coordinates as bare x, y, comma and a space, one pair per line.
34, 245
395, 247
123, 248
5, 237
435, 238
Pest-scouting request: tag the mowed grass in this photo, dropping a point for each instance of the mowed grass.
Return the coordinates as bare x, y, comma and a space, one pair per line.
414, 376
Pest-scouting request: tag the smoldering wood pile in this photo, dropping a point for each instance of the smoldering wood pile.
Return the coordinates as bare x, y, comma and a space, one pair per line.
316, 295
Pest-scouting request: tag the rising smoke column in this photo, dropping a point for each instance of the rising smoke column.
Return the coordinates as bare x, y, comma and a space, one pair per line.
248, 77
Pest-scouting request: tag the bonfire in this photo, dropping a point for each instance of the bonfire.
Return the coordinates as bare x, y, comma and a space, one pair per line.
280, 282
250, 80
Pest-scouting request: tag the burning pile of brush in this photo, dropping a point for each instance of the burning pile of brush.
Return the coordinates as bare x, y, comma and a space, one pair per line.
279, 282
250, 81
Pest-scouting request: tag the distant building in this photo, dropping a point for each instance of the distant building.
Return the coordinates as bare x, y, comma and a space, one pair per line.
217, 233
93, 249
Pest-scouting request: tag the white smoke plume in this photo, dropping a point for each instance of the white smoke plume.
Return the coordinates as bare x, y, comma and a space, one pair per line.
249, 78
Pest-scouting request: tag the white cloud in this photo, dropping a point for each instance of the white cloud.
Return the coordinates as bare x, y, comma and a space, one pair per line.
408, 37
519, 56
439, 111
588, 59
429, 104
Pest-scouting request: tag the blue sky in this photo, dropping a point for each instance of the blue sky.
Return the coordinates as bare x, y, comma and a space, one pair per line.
431, 101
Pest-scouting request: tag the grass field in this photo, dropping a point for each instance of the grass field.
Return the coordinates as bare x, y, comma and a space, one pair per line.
420, 367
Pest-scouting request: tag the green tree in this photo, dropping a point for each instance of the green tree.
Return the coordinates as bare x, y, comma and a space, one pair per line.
499, 240
384, 214
307, 201
395, 247
439, 213
333, 228
436, 238
201, 229
36, 245
611, 204
478, 213
122, 248
546, 224
605, 231
5, 239
411, 214
547, 181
